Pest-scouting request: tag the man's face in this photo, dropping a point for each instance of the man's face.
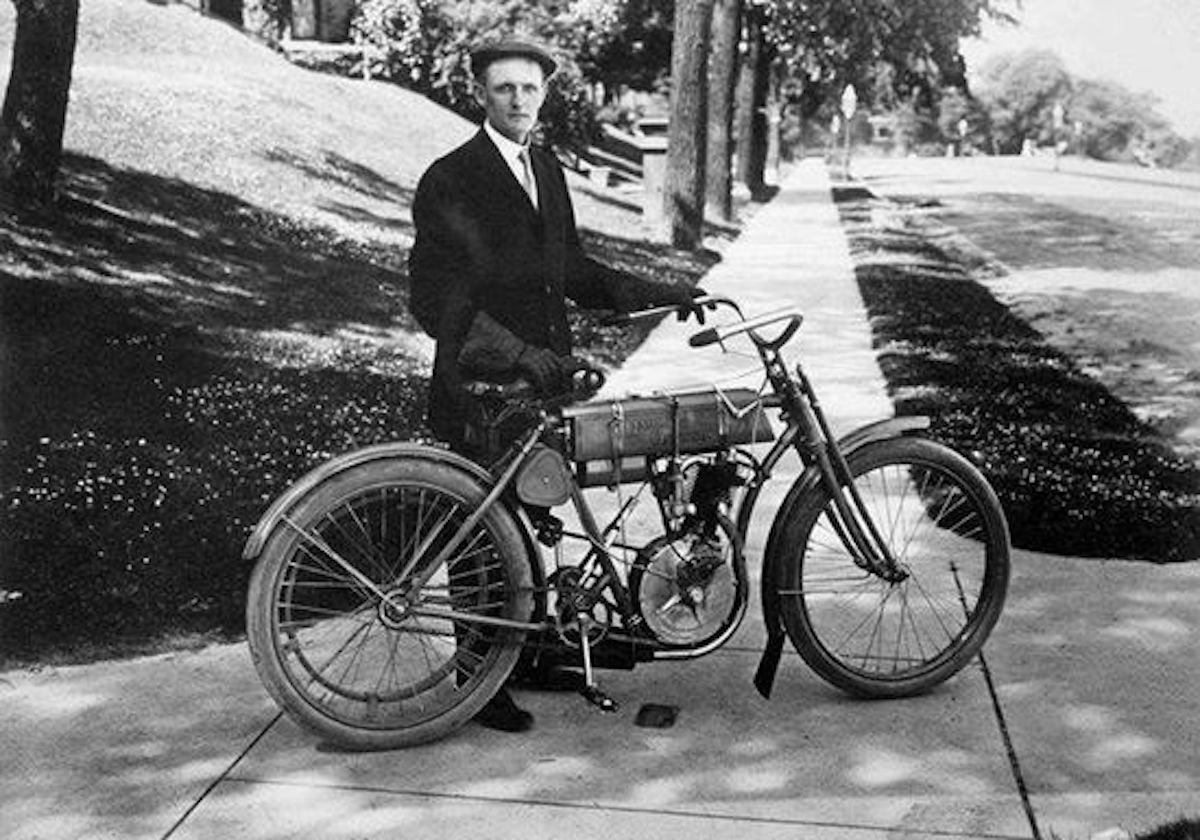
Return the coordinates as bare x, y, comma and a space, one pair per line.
511, 92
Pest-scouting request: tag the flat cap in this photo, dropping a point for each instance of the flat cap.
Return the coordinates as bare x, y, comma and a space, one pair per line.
485, 54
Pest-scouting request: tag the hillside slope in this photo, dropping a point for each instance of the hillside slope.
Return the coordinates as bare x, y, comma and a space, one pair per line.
222, 306
165, 91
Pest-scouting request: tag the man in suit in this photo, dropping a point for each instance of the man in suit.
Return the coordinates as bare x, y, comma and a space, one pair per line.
496, 255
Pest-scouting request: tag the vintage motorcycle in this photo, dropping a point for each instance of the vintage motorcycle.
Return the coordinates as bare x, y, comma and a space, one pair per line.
396, 587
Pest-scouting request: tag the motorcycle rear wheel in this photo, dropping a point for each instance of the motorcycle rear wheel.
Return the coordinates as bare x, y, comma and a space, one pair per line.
337, 630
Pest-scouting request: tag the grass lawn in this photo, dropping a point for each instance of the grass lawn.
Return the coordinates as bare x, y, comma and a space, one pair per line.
1076, 470
222, 306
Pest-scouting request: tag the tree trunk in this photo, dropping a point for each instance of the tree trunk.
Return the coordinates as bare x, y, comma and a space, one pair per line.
34, 115
683, 194
746, 105
722, 79
758, 142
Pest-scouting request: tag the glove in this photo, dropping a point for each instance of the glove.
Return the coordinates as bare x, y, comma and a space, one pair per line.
586, 378
543, 367
667, 294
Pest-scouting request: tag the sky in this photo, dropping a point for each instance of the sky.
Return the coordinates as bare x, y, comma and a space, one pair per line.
1145, 45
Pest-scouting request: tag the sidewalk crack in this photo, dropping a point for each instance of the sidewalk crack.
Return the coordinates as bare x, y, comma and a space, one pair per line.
223, 775
1014, 762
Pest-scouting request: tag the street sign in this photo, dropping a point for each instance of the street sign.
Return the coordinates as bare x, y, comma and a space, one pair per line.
849, 102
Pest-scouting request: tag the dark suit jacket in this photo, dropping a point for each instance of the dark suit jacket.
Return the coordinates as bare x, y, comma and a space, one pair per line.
482, 247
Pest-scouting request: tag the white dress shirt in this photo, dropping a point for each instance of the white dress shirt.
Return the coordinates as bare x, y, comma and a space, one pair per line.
511, 152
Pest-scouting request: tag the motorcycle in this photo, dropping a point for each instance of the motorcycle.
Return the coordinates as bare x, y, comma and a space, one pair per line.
396, 588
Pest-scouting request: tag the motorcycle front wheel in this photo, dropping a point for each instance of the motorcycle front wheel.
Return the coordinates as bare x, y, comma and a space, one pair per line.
895, 635
342, 635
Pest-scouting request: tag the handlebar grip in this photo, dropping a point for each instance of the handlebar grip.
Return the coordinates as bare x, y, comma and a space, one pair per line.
587, 379
704, 338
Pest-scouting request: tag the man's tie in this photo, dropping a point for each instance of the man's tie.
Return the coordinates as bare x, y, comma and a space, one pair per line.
527, 181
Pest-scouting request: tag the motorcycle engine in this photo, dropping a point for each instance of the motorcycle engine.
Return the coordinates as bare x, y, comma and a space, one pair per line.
685, 588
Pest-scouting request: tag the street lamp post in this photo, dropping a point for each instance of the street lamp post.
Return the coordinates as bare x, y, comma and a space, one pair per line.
849, 106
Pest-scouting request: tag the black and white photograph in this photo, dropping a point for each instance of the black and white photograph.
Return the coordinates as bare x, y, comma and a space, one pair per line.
540, 419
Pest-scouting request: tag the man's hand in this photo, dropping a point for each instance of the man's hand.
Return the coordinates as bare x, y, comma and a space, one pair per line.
683, 297
544, 368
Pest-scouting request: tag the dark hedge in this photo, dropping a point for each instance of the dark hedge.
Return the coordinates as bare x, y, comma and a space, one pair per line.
1076, 471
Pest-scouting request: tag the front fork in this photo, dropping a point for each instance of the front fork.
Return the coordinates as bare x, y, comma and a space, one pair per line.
827, 467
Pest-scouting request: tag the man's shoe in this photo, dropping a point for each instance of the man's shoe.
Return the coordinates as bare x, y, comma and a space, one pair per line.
503, 713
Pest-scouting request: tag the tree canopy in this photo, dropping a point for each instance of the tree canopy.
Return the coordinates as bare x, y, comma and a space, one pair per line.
827, 44
1020, 91
1100, 119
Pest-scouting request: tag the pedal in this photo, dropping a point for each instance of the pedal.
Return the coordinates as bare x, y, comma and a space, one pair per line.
590, 691
594, 695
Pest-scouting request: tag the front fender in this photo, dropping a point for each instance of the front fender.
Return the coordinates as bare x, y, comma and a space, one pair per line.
807, 482
882, 430
379, 452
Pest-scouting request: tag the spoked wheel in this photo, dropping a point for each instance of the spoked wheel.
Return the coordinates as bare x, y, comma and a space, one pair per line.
898, 634
345, 635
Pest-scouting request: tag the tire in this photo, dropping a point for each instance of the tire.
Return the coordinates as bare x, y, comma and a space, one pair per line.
361, 673
945, 527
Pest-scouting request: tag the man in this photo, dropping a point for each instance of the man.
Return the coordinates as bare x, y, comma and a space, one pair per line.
496, 255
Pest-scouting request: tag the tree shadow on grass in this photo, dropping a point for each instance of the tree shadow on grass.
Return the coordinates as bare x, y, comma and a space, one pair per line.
1076, 471
144, 425
1028, 233
150, 410
196, 256
344, 172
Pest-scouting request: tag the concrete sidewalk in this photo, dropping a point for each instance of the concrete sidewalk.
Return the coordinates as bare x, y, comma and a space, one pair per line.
1095, 665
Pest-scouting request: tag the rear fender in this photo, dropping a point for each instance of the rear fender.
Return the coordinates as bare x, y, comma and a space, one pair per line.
381, 452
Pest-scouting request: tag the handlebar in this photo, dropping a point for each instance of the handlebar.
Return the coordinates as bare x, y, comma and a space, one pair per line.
718, 335
706, 301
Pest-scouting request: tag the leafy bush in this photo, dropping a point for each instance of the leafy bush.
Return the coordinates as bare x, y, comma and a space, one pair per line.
269, 19
568, 117
425, 45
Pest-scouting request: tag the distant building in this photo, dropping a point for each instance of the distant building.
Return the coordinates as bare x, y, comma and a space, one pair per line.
326, 21
322, 20
884, 131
